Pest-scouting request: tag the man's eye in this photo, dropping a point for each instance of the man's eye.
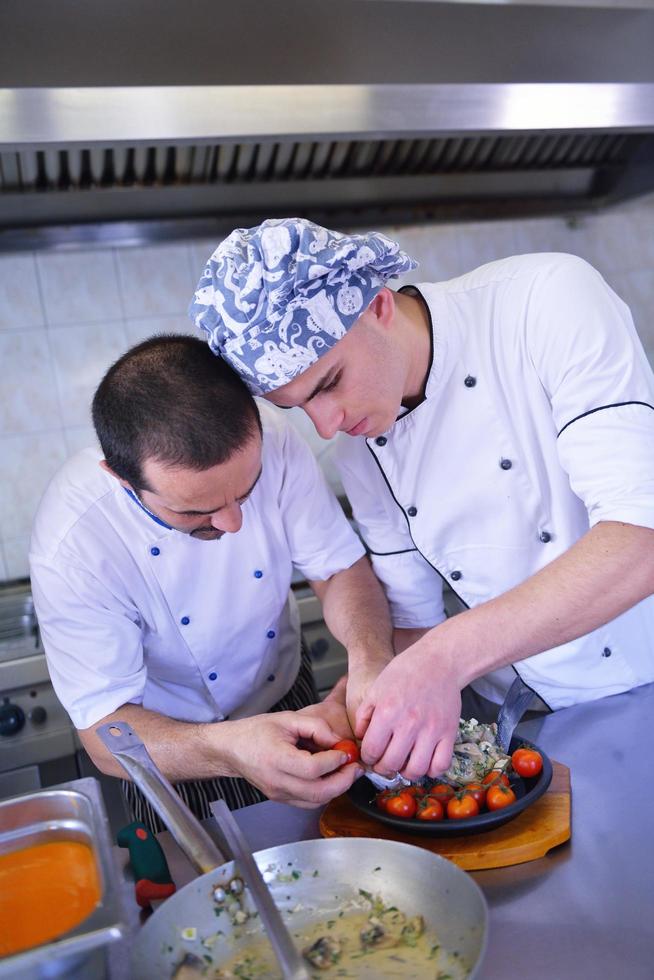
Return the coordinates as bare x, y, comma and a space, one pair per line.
332, 384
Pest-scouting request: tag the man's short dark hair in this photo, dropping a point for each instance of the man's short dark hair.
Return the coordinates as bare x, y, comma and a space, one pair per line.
172, 400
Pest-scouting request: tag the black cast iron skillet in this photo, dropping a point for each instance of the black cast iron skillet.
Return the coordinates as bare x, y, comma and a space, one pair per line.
527, 791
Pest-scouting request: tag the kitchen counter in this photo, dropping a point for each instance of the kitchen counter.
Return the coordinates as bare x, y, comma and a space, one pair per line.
585, 911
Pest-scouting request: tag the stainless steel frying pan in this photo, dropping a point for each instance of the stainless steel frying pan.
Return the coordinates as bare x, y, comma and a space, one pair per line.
310, 881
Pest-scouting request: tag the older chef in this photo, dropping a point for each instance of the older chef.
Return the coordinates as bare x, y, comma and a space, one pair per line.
504, 444
161, 578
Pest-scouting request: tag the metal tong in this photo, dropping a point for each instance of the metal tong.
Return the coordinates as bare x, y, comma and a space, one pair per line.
125, 745
516, 702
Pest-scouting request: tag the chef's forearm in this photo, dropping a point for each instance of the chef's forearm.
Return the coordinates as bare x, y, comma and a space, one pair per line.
606, 572
357, 614
181, 750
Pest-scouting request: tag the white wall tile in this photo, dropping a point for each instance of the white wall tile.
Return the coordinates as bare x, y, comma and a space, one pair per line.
79, 437
200, 251
20, 301
16, 556
545, 235
28, 463
29, 395
486, 241
81, 356
436, 248
138, 329
609, 242
79, 287
155, 280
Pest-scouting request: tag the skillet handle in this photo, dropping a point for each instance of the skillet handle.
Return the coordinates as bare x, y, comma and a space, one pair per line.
125, 745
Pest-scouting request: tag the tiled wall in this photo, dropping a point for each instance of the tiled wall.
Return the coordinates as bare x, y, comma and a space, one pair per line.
65, 316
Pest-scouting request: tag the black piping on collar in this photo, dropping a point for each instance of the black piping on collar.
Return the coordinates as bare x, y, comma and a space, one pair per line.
415, 293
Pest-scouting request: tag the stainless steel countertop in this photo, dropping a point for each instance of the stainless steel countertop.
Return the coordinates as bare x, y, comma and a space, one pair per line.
585, 911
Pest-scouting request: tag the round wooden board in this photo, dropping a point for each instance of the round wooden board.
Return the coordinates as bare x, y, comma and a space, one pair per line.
527, 837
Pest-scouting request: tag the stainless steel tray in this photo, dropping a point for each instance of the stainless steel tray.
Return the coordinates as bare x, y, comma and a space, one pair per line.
73, 810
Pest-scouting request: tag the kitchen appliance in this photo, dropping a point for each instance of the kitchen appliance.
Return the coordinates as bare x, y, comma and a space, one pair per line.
307, 879
37, 739
71, 811
356, 112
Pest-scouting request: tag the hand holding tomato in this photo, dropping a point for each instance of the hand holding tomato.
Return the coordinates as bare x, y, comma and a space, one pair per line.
349, 748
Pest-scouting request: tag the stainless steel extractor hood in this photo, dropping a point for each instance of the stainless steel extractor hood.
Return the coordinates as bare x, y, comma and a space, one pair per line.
169, 119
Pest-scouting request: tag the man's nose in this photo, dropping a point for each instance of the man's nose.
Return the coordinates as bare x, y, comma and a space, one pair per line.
228, 519
325, 416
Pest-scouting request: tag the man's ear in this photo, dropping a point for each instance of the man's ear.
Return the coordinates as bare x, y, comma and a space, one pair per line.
382, 307
105, 466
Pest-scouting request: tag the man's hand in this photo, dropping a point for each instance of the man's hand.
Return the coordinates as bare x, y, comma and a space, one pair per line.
362, 674
333, 711
410, 717
264, 750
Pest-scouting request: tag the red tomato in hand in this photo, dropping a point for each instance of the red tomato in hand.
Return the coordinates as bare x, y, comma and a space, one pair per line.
499, 796
495, 778
430, 809
478, 792
527, 762
402, 805
460, 807
442, 792
350, 748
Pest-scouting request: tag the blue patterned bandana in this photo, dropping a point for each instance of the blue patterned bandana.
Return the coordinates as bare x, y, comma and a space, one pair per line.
275, 298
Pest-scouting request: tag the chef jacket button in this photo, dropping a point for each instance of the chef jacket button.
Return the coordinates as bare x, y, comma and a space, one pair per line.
606, 652
506, 464
270, 634
470, 382
456, 575
271, 677
213, 676
412, 511
155, 552
185, 620
381, 440
258, 573
545, 536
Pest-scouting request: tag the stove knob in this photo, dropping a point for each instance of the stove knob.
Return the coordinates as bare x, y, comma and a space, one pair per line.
38, 715
12, 719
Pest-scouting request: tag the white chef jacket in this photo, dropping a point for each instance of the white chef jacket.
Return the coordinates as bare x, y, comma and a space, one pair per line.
537, 422
132, 611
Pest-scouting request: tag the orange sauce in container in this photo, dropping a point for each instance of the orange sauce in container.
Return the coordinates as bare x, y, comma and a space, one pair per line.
45, 890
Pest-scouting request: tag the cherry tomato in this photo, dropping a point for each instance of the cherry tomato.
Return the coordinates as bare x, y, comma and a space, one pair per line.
495, 778
382, 798
402, 805
462, 806
417, 791
442, 792
478, 792
430, 809
350, 748
499, 796
527, 762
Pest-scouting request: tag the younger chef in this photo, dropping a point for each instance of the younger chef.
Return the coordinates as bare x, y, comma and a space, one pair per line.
161, 569
503, 443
